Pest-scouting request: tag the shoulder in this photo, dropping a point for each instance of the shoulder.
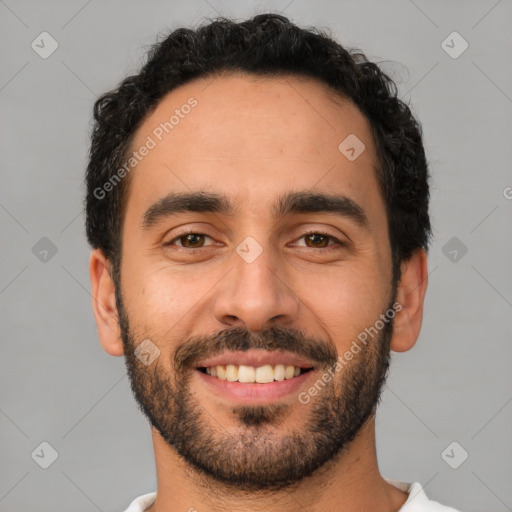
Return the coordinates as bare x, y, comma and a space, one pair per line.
142, 502
418, 501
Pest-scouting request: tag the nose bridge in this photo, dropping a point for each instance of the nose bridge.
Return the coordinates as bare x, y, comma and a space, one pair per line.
254, 294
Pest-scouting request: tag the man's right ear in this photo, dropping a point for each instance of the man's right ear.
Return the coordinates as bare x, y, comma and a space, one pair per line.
104, 304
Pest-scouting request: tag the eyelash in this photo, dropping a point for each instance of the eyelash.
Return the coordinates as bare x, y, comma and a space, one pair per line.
337, 244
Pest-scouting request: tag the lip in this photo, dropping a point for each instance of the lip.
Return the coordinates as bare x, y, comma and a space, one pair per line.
253, 394
255, 357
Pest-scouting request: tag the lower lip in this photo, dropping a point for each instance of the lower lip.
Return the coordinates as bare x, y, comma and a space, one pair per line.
255, 393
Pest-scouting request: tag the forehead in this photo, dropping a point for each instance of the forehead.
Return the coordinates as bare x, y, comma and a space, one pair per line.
251, 138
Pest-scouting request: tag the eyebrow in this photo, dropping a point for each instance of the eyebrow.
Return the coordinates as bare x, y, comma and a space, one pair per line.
287, 204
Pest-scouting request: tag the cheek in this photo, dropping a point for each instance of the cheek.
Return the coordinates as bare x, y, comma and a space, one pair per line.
162, 301
344, 300
338, 300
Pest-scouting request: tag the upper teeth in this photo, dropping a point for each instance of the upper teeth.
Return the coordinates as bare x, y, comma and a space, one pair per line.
260, 374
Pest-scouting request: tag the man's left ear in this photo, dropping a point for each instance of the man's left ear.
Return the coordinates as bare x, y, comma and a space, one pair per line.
410, 296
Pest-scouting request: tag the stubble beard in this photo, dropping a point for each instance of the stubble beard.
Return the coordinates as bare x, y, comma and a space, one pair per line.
257, 455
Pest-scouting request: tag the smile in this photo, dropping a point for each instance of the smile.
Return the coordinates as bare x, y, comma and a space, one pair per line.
252, 374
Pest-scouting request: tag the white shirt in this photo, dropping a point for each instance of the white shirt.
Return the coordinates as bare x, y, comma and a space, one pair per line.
416, 502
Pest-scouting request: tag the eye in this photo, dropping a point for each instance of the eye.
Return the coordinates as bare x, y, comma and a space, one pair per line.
312, 240
316, 240
189, 240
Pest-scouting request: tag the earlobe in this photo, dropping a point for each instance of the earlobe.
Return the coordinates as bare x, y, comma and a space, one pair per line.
410, 295
104, 304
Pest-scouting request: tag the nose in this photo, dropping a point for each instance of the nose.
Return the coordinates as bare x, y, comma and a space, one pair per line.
256, 295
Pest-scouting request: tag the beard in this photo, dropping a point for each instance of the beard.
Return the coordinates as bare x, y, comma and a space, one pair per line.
258, 456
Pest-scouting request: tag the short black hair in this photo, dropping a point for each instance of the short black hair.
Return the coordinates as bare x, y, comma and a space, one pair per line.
266, 45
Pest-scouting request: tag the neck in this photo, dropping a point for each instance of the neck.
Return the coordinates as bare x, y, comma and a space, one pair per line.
349, 482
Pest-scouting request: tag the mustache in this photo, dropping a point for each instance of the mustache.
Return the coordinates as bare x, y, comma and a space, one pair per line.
275, 338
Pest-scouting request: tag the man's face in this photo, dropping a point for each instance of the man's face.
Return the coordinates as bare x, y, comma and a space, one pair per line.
273, 278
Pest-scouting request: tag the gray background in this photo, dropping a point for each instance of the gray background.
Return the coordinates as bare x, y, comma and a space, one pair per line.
57, 384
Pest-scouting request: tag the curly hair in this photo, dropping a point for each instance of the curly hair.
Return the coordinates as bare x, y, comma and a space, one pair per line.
266, 45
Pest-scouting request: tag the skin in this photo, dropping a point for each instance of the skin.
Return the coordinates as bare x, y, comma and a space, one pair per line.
254, 139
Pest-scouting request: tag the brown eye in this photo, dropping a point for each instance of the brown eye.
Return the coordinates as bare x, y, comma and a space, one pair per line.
189, 241
192, 240
317, 240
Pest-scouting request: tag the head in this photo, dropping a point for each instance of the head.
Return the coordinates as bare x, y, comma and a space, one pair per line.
257, 186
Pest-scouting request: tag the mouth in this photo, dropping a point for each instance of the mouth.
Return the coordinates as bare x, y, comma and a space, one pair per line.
255, 376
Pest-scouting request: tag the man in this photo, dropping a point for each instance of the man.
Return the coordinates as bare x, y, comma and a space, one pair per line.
257, 201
